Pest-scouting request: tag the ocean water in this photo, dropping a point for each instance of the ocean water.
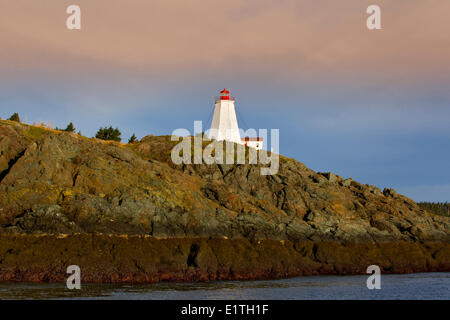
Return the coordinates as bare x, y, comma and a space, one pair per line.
428, 286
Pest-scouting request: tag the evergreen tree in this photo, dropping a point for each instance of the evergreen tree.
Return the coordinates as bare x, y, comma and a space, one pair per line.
15, 117
132, 139
108, 134
440, 208
70, 128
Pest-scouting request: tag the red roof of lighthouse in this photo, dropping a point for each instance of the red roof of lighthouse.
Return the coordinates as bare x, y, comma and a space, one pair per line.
224, 95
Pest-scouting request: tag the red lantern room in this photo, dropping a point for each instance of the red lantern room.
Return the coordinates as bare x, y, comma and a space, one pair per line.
224, 94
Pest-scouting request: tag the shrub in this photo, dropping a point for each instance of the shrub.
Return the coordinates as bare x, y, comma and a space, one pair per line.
132, 139
15, 117
70, 128
108, 134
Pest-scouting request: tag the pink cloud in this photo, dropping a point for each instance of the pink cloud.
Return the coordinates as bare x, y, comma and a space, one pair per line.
287, 39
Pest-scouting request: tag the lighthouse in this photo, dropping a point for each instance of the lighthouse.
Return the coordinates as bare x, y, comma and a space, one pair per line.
224, 124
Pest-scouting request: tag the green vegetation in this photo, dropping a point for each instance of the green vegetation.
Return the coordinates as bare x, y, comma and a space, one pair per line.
108, 134
15, 117
70, 128
132, 139
439, 208
35, 132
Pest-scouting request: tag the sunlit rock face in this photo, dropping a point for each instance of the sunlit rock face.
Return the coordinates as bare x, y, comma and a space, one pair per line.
63, 183
126, 213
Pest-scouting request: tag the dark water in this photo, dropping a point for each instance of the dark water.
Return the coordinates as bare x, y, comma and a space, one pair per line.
409, 286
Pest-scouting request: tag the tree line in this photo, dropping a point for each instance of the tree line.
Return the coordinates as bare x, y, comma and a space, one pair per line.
104, 133
439, 208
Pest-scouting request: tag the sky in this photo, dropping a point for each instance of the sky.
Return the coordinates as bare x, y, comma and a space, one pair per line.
373, 105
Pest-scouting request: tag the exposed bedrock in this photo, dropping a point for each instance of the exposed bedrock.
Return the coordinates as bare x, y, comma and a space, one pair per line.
104, 258
62, 183
59, 183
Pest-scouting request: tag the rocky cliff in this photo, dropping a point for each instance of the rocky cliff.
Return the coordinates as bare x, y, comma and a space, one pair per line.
54, 182
58, 182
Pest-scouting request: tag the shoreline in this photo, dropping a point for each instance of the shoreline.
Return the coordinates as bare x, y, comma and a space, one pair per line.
145, 259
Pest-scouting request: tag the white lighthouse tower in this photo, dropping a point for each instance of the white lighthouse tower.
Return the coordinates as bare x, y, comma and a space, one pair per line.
224, 124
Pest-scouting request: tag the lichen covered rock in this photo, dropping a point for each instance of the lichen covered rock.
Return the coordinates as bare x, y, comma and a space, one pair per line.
62, 183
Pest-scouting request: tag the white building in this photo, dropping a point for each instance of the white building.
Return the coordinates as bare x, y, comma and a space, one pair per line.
256, 143
224, 124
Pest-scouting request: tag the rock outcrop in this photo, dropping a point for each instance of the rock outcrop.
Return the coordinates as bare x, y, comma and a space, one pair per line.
112, 258
61, 183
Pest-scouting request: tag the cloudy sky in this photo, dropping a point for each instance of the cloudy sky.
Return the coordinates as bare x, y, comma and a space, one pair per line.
372, 105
